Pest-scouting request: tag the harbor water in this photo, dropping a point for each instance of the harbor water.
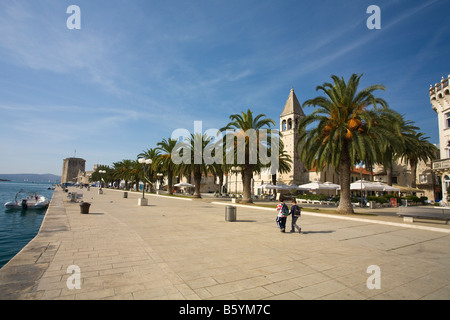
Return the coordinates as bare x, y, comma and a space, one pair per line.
18, 227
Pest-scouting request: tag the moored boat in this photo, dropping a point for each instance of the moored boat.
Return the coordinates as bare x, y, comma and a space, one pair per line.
30, 201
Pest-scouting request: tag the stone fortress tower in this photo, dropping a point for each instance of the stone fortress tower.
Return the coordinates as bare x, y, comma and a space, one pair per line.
71, 168
289, 120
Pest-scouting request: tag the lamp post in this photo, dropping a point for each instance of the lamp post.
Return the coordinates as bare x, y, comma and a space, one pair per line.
159, 175
89, 182
100, 191
360, 168
142, 201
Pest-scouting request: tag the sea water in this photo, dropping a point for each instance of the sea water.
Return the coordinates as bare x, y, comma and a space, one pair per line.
18, 227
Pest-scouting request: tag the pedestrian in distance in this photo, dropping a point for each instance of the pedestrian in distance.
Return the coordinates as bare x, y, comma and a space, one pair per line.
296, 212
283, 213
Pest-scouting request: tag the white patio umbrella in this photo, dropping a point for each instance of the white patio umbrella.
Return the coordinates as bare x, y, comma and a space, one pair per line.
184, 184
317, 185
386, 187
283, 186
296, 186
331, 185
264, 186
365, 186
271, 186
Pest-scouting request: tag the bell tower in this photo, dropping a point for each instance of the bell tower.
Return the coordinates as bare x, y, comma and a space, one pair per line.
289, 120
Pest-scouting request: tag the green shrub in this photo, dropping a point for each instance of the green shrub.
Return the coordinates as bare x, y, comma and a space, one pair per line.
378, 199
412, 198
320, 197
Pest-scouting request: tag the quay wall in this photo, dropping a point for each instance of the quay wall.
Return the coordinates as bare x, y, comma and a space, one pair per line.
20, 276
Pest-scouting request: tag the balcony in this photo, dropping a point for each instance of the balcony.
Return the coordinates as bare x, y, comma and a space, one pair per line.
443, 165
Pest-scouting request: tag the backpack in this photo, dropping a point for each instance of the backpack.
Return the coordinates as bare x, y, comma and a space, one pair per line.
285, 210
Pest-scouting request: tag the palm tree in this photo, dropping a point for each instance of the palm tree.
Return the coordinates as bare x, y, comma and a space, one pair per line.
392, 148
163, 162
196, 168
136, 172
418, 148
245, 123
123, 171
151, 154
217, 170
284, 164
345, 130
105, 178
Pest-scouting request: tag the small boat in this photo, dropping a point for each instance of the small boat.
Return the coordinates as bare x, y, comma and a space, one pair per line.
31, 201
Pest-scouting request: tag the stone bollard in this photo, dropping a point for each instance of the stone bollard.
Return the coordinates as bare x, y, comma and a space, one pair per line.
143, 202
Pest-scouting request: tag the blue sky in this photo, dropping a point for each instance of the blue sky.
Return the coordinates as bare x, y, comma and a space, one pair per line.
139, 69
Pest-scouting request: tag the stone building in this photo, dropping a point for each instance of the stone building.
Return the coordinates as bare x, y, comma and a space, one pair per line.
71, 169
440, 102
426, 183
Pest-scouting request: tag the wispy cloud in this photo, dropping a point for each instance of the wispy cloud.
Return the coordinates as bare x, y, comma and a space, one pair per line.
409, 11
42, 42
320, 55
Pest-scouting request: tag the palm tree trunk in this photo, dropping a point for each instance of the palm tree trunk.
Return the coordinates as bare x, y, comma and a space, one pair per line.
170, 181
389, 173
413, 165
247, 175
220, 183
274, 182
345, 202
197, 182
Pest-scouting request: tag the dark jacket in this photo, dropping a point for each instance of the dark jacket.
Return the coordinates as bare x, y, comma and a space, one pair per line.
299, 211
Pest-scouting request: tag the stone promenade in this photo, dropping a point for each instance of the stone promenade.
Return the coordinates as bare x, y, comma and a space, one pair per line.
184, 249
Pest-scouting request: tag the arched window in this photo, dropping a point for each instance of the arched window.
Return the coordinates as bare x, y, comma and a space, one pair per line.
283, 125
447, 181
289, 124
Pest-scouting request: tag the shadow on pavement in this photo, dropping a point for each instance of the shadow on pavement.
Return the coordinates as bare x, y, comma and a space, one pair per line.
325, 231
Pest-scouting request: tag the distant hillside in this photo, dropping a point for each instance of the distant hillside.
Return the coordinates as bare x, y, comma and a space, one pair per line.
31, 177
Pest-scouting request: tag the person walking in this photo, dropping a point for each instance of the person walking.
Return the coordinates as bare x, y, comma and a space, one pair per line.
296, 212
283, 213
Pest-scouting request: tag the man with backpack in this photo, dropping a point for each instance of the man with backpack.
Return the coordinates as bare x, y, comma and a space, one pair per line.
283, 213
296, 212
